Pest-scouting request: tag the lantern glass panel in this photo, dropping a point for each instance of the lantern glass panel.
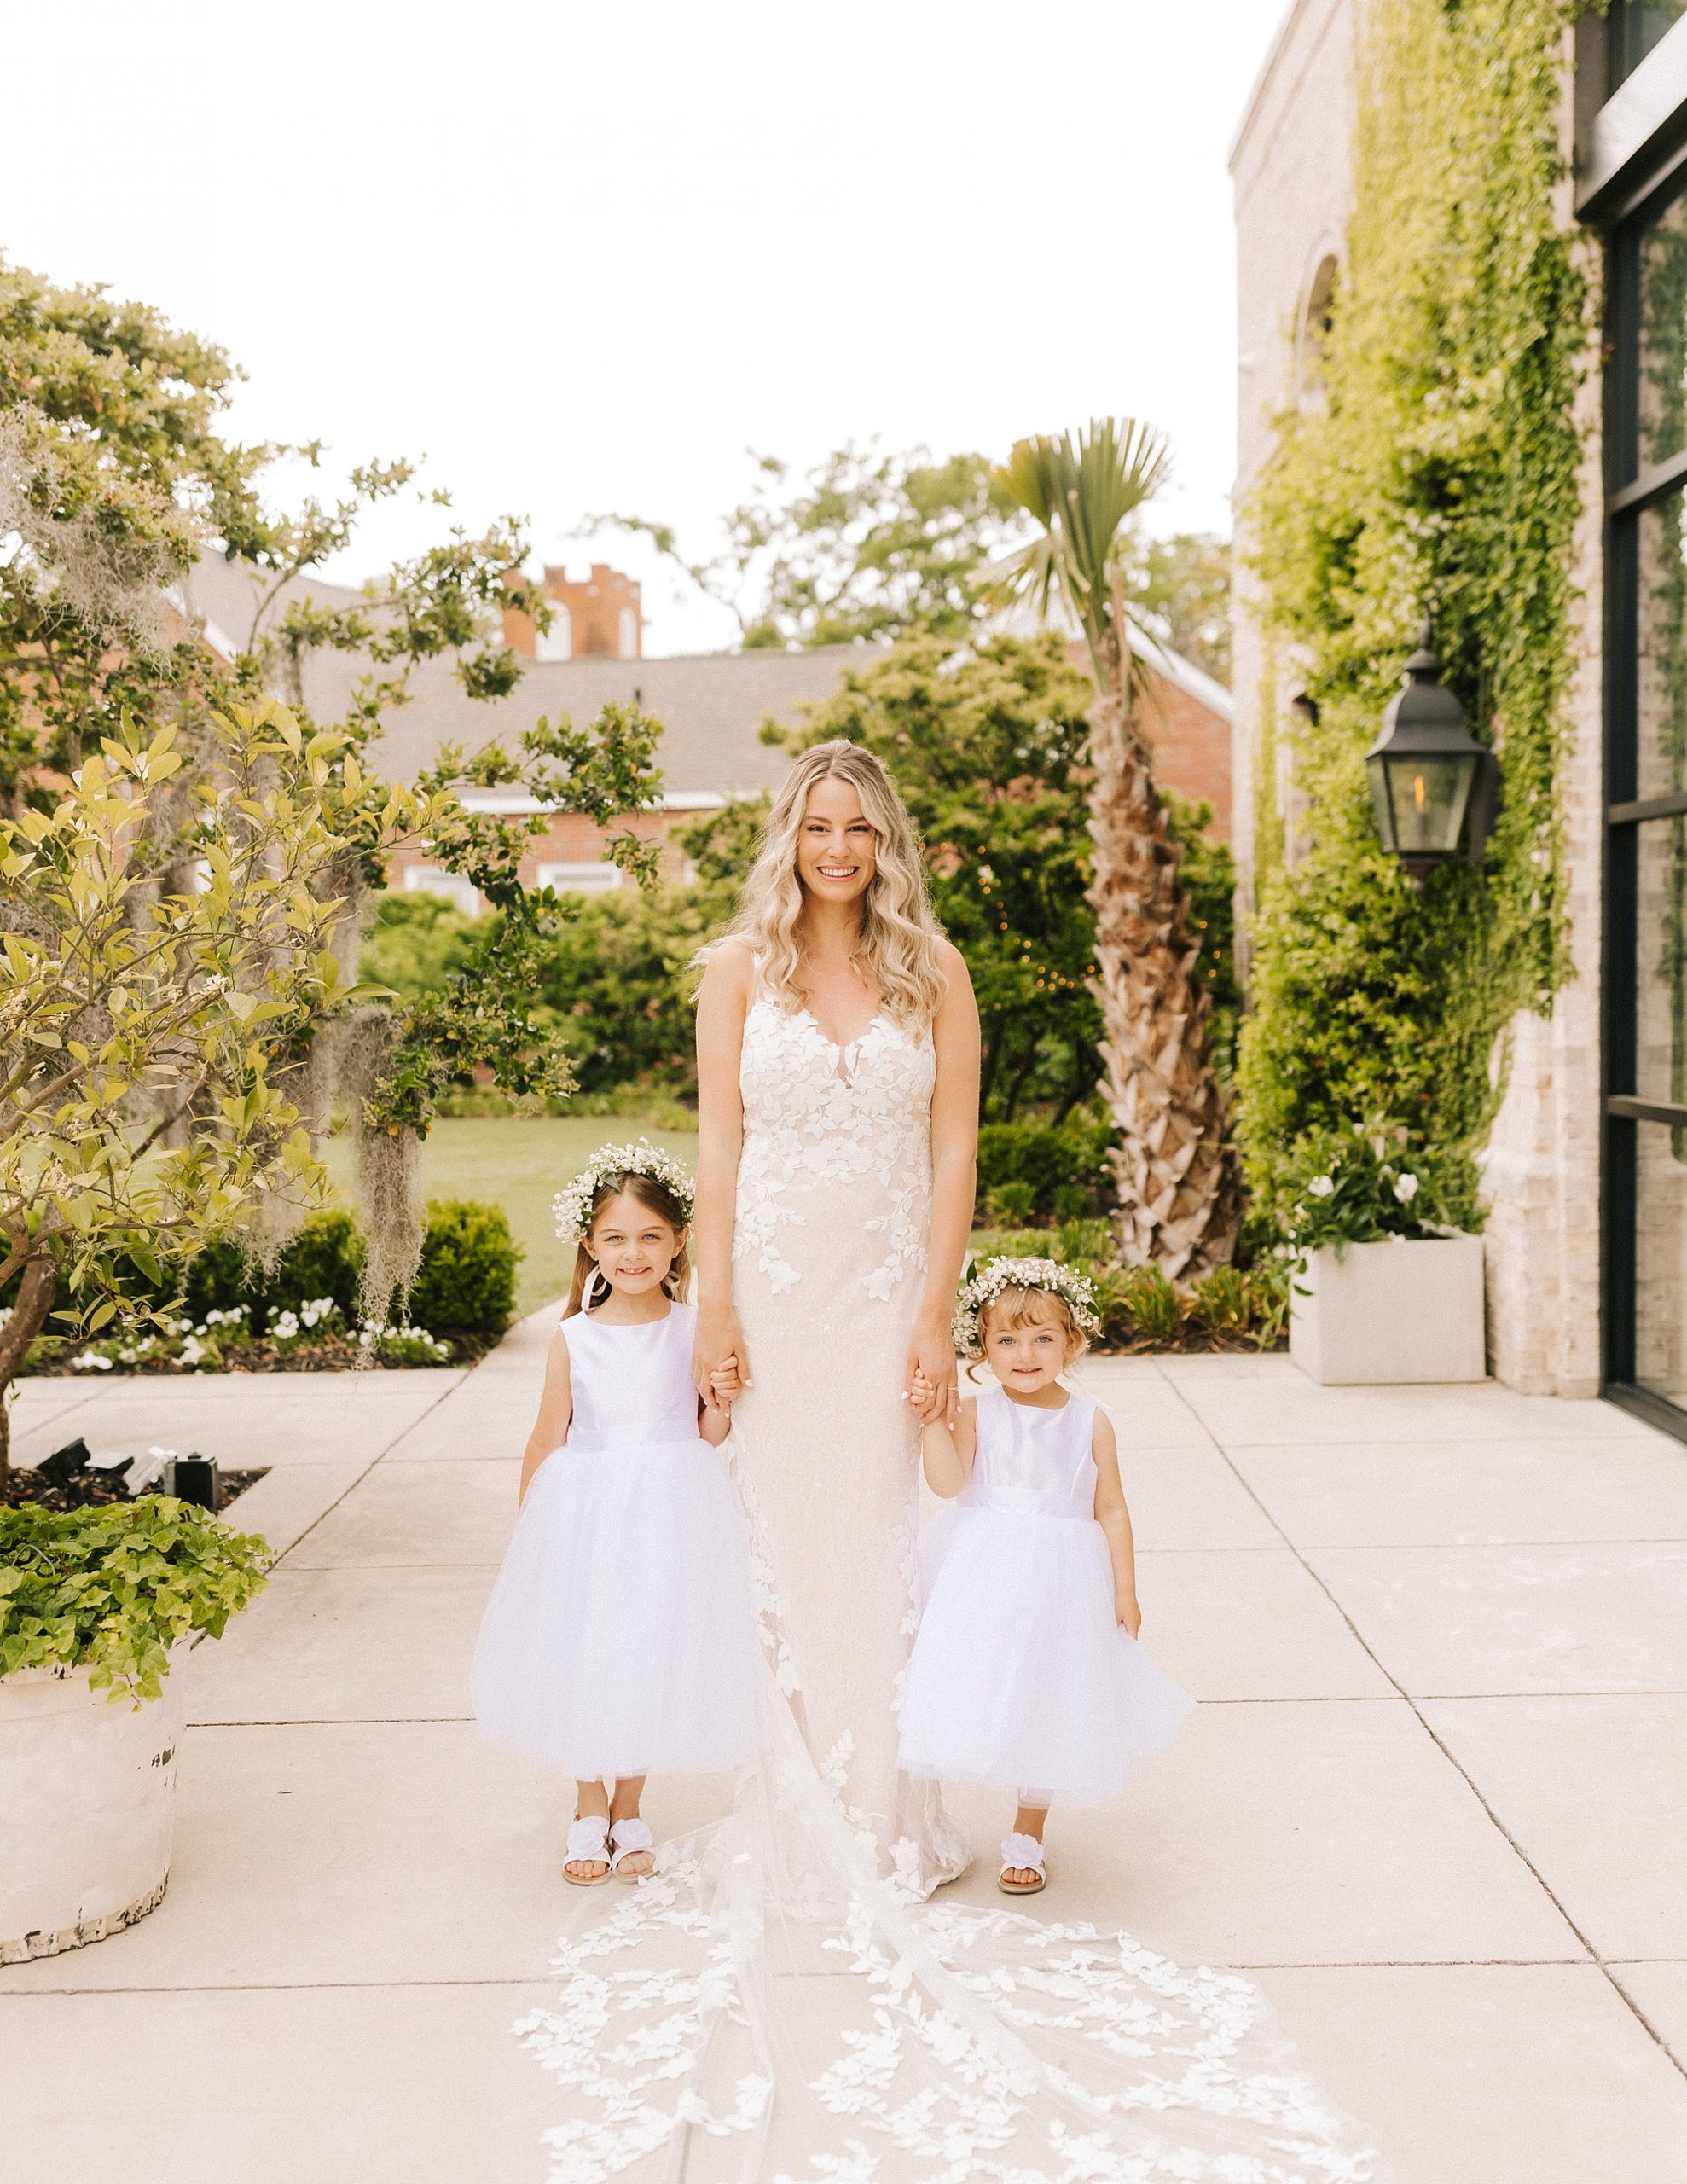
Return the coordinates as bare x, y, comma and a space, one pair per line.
1427, 797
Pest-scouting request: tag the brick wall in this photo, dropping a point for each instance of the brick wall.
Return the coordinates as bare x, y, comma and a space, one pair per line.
1191, 749
601, 617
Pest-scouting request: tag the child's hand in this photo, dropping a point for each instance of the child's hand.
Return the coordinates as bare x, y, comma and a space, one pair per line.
922, 1390
725, 1382
1129, 1614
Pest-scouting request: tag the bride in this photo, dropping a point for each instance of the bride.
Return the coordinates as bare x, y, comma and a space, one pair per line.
837, 1110
780, 2003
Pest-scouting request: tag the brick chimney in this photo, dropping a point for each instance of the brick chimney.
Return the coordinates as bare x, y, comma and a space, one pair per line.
599, 617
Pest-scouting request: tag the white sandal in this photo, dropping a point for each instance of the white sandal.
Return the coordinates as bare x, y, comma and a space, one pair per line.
588, 1845
627, 1838
1022, 1854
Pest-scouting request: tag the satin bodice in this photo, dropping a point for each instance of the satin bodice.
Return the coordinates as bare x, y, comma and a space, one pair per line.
1036, 1462
632, 1386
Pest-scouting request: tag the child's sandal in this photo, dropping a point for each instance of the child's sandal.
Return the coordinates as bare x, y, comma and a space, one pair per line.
627, 1838
588, 1845
1022, 1854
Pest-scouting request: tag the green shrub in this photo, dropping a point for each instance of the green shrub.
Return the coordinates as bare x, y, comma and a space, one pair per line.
1064, 1168
113, 1589
1012, 1204
466, 1281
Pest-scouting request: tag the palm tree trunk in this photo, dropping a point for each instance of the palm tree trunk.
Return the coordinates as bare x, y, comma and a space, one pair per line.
1178, 1204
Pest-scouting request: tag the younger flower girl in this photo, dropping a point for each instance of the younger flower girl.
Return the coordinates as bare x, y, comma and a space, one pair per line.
619, 1638
1026, 1668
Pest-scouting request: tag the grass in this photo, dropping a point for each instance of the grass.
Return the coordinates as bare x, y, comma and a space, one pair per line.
518, 1162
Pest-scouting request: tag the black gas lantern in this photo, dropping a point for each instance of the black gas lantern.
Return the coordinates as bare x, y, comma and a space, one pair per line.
1434, 787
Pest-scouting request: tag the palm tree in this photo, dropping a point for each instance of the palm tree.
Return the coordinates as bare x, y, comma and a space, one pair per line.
1177, 1200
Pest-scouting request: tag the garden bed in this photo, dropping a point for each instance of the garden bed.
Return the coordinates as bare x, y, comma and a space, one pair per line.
331, 1355
1233, 1309
89, 1490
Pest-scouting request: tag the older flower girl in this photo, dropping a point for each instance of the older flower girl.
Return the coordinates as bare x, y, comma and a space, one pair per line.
619, 1639
1026, 1670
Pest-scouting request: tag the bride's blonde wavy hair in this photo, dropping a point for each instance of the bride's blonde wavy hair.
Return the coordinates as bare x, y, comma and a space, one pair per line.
897, 949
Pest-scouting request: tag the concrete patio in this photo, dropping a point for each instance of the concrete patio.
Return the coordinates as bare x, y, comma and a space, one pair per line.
1435, 1800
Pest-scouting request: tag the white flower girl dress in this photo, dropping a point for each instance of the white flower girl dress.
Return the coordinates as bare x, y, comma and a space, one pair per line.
620, 1637
1021, 1673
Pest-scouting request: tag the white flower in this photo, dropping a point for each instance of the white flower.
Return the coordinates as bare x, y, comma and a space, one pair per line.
573, 1206
1075, 1292
1321, 1187
1405, 1189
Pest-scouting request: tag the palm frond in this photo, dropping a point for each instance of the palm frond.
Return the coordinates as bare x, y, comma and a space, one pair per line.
1081, 492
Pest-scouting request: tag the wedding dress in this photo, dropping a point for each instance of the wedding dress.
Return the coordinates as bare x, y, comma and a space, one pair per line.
780, 2001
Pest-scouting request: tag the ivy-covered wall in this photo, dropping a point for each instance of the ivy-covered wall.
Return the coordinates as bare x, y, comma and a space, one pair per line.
1439, 468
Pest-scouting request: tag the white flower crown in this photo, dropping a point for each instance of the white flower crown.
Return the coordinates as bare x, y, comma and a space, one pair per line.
573, 1206
985, 1286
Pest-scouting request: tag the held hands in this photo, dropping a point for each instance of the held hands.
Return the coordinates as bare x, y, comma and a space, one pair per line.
929, 1387
720, 1350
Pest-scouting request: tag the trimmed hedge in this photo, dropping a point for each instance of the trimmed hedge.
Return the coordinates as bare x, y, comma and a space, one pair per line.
466, 1284
1029, 1170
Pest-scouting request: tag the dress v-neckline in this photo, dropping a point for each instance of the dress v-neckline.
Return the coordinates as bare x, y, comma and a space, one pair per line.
844, 1046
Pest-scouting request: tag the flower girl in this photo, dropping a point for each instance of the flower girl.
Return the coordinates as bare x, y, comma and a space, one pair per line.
619, 1639
1026, 1670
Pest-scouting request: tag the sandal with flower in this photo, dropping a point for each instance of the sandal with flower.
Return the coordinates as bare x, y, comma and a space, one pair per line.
1022, 1854
631, 1839
588, 1845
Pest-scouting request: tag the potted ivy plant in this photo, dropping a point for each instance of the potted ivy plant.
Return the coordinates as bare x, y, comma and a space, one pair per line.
1379, 1294
96, 1606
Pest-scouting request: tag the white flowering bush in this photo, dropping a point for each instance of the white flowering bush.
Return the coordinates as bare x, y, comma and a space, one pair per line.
227, 1338
1357, 1185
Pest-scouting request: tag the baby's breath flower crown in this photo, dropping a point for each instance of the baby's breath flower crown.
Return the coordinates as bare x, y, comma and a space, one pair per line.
985, 1286
573, 1206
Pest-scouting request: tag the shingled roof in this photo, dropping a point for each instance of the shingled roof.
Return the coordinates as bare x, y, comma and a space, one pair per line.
711, 706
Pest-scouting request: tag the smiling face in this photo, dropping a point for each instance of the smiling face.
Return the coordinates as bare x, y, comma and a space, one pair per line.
634, 1246
1027, 1341
837, 847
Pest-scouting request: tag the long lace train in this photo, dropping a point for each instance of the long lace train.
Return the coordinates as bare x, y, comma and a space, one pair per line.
767, 2008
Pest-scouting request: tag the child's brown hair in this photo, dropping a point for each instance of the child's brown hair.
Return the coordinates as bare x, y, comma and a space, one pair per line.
655, 1197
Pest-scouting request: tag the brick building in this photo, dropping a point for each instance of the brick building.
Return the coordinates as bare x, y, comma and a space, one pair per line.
600, 616
711, 707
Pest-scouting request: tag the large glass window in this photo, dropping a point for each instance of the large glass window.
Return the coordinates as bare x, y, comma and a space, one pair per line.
1646, 805
1633, 30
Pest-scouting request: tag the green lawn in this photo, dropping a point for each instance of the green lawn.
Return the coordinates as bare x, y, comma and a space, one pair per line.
519, 1163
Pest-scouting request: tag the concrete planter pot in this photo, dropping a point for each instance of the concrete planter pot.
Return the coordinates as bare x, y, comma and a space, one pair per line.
1408, 1309
87, 1800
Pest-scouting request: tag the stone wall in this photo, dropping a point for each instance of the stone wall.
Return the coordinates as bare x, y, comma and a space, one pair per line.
1292, 169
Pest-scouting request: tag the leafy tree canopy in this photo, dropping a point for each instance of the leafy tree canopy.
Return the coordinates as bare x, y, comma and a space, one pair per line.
866, 545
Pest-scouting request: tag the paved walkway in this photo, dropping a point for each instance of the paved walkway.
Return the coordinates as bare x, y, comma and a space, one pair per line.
1435, 1800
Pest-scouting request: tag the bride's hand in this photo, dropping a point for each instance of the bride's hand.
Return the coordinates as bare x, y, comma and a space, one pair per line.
718, 1348
931, 1360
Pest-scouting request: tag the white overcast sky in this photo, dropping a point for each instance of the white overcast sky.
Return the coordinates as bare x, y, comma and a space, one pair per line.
581, 258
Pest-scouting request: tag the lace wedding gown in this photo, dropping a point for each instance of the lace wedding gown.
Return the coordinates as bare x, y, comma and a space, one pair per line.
778, 2001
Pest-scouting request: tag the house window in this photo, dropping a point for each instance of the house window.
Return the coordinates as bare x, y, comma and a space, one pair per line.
629, 634
434, 880
1646, 815
558, 641
579, 878
1632, 29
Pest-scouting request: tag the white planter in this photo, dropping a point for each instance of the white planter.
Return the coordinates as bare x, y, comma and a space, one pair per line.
87, 1798
1409, 1308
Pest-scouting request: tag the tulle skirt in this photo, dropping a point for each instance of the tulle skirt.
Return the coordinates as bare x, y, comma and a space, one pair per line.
619, 1638
1021, 1674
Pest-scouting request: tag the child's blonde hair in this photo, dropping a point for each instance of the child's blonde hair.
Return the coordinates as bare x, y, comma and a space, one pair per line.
1021, 1305
655, 1197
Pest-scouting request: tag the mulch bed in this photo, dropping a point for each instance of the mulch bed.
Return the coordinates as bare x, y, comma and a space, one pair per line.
88, 1490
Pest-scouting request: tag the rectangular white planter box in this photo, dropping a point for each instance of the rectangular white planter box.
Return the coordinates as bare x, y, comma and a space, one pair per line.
1408, 1309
